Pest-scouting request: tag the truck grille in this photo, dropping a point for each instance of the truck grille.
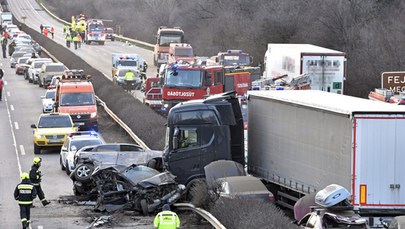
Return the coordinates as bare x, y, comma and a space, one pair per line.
78, 117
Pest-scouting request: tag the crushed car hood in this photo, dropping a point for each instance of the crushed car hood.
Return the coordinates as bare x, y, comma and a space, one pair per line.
145, 176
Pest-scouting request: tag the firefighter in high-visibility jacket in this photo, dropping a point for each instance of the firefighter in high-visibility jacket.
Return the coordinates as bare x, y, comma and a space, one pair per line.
25, 193
166, 219
35, 177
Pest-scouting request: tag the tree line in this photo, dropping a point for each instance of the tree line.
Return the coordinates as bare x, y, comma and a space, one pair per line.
370, 32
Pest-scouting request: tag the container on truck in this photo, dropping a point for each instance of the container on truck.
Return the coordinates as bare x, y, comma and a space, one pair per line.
300, 141
326, 67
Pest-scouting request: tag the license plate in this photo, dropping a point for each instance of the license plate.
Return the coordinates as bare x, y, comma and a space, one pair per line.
80, 123
54, 141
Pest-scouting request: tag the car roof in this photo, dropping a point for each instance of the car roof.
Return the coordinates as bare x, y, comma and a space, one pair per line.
54, 114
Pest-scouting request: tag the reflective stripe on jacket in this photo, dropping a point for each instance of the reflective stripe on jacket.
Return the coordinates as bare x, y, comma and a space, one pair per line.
25, 193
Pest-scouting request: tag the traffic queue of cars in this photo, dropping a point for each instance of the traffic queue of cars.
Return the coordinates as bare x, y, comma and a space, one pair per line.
127, 174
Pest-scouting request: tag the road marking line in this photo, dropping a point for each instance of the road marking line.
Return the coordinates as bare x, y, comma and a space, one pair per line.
8, 94
13, 135
40, 227
12, 107
22, 150
16, 125
5, 82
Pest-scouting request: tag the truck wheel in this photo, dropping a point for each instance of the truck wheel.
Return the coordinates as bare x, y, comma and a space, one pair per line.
101, 42
112, 39
29, 80
62, 166
83, 172
37, 149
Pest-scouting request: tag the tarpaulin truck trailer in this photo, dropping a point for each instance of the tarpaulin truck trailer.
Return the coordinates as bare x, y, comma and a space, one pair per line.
326, 67
302, 141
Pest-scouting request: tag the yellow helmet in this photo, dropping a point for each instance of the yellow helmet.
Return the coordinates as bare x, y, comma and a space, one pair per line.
24, 176
37, 160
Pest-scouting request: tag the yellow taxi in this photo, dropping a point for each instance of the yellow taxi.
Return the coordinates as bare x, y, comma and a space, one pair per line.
52, 130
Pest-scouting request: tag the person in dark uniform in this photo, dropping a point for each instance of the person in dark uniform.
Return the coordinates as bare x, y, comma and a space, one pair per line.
35, 177
25, 193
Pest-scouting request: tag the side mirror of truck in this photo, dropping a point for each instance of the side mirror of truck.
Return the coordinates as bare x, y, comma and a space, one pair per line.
175, 138
251, 59
33, 126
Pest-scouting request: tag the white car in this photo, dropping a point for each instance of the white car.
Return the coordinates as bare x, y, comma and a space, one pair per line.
48, 100
73, 143
34, 69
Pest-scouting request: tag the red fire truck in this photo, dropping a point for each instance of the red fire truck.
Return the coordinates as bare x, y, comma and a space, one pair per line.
182, 82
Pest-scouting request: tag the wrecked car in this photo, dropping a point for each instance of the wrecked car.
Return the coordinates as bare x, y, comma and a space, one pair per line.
135, 187
328, 208
118, 154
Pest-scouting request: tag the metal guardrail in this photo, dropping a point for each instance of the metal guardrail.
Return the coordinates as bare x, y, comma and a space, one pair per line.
116, 36
203, 213
122, 124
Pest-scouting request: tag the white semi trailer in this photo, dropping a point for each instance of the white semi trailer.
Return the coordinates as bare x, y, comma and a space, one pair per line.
302, 141
326, 67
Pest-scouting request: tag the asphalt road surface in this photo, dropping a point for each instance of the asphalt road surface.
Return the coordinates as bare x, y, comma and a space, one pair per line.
98, 56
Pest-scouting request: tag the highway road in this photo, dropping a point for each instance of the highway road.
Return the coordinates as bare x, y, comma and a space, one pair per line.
98, 56
20, 108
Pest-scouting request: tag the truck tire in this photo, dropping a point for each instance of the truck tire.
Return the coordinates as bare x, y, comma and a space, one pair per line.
29, 80
37, 149
83, 172
112, 39
101, 42
62, 166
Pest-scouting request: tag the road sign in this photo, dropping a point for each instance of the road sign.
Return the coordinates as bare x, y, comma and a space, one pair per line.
394, 81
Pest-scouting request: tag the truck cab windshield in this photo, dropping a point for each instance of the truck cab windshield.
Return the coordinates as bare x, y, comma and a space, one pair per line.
183, 78
77, 99
96, 27
166, 39
235, 60
130, 63
183, 52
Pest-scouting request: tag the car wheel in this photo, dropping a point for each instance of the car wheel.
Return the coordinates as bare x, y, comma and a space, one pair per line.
144, 206
83, 172
37, 149
67, 168
62, 166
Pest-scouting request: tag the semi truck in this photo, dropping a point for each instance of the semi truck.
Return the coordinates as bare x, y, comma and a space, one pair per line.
326, 67
164, 37
299, 142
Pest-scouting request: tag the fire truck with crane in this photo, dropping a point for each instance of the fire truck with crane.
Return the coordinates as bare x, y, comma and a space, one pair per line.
184, 81
164, 37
